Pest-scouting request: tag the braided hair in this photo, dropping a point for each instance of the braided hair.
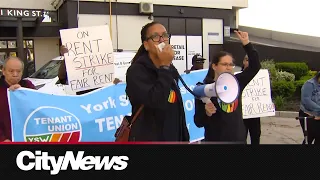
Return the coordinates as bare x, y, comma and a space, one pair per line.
143, 33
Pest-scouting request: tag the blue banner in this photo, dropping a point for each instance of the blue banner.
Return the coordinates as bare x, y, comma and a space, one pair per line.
92, 117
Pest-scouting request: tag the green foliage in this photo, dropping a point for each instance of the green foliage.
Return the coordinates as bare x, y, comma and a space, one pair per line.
271, 66
298, 69
283, 88
286, 79
279, 102
302, 80
312, 73
299, 85
284, 76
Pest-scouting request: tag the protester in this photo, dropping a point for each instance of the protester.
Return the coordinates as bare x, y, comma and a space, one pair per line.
152, 81
223, 122
12, 73
197, 63
253, 125
63, 76
310, 106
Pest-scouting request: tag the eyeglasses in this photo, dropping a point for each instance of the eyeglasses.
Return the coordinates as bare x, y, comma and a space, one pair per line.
227, 64
157, 37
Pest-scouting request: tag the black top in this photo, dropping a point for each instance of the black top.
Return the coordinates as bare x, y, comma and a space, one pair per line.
163, 117
227, 123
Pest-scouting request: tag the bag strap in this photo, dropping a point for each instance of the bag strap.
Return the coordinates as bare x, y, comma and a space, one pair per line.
136, 115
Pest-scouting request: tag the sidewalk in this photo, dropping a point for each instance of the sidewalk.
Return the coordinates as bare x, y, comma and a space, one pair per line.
280, 130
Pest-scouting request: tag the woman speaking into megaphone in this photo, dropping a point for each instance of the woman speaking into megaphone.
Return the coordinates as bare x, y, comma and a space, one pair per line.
223, 122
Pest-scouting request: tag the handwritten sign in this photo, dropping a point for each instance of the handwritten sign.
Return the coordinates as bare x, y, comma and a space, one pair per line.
256, 97
122, 61
89, 60
178, 44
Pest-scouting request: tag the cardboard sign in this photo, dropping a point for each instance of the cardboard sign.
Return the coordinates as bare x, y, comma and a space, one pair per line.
256, 97
89, 60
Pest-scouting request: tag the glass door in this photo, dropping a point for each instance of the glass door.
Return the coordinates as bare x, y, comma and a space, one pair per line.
9, 48
14, 53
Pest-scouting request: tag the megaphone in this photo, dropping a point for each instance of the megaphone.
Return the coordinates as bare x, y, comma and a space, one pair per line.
226, 88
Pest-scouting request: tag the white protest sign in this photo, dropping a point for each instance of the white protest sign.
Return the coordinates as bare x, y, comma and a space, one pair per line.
194, 46
178, 44
122, 61
89, 60
256, 97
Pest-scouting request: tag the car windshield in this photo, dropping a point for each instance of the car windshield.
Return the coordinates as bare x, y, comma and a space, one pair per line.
48, 71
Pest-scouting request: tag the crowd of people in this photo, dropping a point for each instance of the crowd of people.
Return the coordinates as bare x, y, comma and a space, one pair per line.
152, 83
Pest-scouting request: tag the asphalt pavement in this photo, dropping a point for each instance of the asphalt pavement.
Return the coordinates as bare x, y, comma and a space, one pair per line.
279, 130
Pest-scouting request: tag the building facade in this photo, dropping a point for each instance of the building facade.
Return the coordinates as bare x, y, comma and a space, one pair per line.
278, 46
34, 25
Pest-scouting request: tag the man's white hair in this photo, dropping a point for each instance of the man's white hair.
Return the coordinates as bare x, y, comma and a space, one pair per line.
11, 58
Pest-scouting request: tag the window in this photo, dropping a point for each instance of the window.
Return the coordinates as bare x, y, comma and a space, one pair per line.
48, 71
9, 48
3, 44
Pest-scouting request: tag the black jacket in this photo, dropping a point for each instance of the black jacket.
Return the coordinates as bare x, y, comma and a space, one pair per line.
227, 123
159, 120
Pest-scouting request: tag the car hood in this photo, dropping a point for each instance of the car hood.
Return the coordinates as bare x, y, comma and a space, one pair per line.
37, 82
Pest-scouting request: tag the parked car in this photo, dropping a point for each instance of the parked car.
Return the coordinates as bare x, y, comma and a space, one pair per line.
46, 78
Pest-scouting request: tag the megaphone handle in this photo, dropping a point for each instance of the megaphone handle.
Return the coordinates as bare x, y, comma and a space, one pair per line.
206, 100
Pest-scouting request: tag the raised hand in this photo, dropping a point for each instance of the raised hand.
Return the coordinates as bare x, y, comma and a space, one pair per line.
243, 37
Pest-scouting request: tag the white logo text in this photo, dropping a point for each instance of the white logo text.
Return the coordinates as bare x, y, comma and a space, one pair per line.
42, 161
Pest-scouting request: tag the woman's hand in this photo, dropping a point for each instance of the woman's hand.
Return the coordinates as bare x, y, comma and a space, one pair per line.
243, 37
210, 109
166, 55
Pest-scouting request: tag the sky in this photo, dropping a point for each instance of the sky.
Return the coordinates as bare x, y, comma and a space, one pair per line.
291, 16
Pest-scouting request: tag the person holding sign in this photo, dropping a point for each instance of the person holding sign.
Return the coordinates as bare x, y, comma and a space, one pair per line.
12, 78
310, 106
152, 81
253, 125
62, 74
224, 122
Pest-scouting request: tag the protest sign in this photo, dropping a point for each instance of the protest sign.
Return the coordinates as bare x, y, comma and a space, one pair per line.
122, 61
89, 60
92, 117
256, 97
178, 44
194, 46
